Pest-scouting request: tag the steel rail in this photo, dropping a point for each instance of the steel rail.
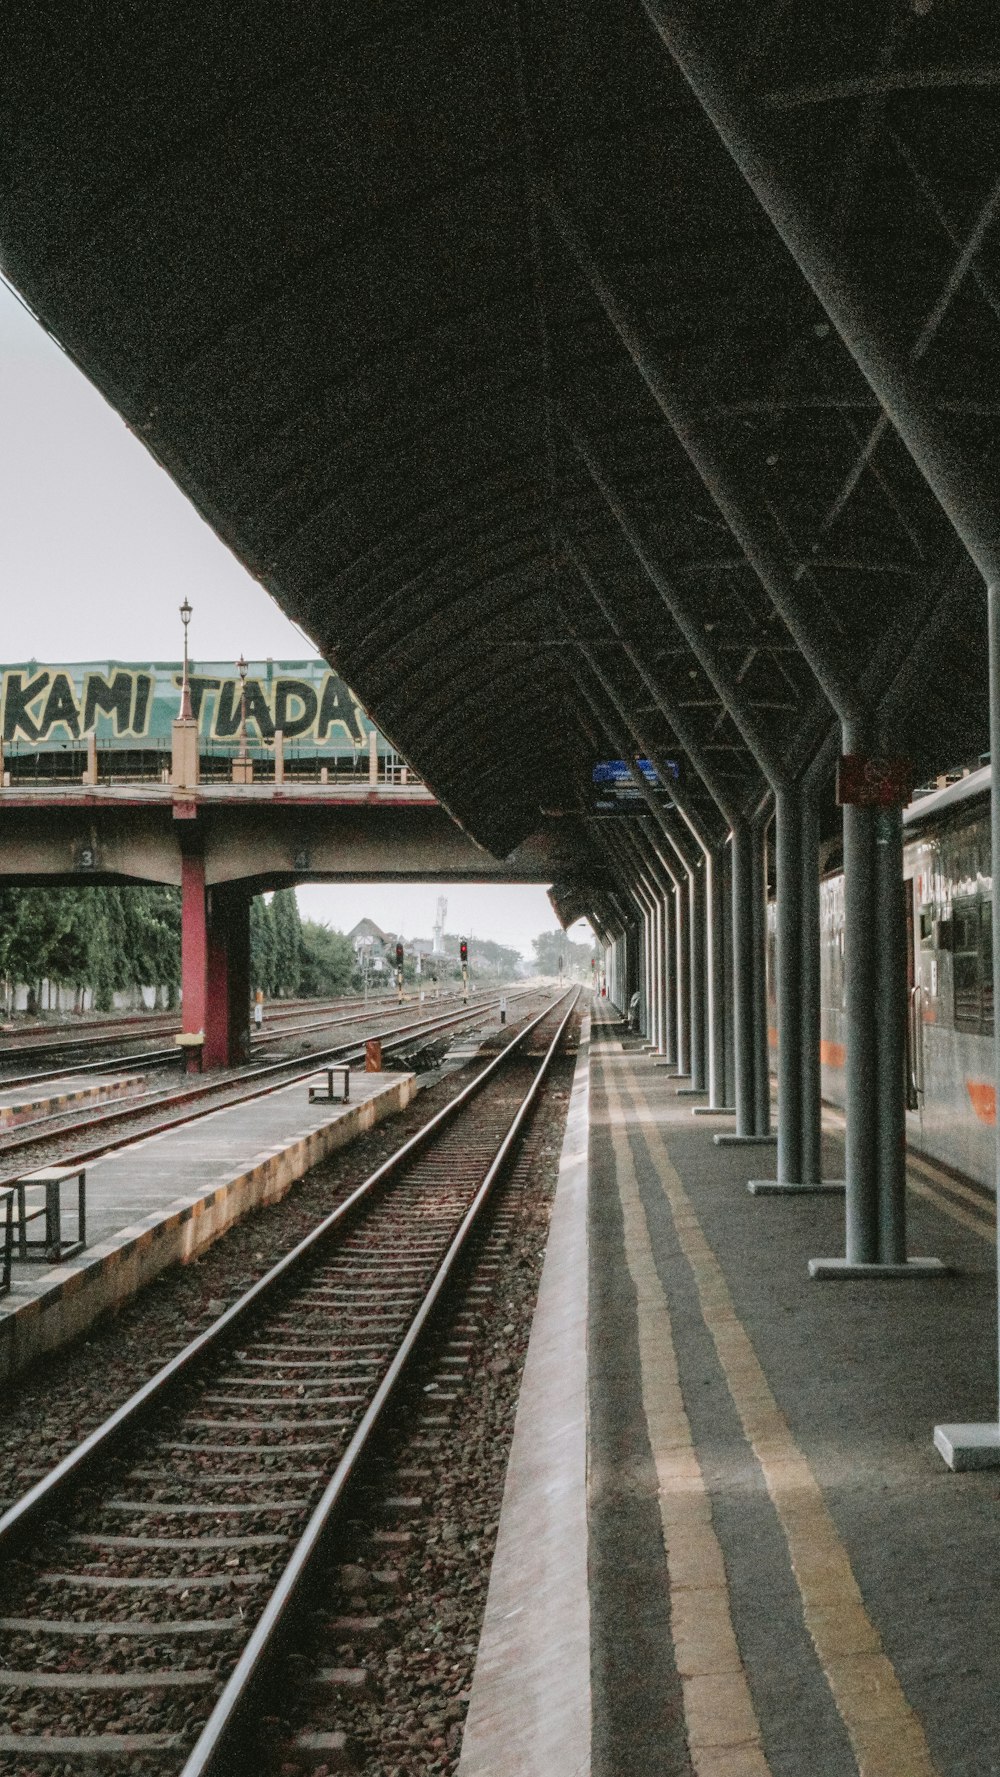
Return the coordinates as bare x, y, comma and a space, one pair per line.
215, 1745
139, 1027
162, 1056
268, 1035
297, 1067
62, 1481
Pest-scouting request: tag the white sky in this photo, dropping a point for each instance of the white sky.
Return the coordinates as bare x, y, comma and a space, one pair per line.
98, 549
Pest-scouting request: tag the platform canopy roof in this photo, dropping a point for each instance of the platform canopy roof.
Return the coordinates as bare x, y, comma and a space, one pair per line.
515, 348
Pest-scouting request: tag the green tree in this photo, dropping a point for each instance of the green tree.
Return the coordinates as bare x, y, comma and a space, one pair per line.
262, 947
328, 960
287, 943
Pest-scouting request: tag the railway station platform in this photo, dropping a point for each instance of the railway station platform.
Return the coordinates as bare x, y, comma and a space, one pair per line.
167, 1196
728, 1546
24, 1103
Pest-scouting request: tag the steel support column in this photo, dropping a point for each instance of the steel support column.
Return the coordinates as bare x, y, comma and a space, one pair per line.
720, 1091
761, 1051
743, 982
811, 1015
788, 828
698, 965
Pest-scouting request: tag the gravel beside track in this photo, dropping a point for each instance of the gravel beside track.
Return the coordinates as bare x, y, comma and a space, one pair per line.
165, 1568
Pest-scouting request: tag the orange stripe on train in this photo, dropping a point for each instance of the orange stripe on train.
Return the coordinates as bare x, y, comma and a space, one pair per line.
984, 1099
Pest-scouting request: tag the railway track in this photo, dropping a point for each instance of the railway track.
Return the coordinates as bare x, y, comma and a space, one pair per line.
158, 1571
172, 1056
114, 1125
150, 1027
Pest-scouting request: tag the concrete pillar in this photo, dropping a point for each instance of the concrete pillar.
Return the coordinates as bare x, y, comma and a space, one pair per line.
215, 967
184, 761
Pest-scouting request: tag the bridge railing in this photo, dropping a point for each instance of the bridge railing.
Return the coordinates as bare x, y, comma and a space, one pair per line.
31, 767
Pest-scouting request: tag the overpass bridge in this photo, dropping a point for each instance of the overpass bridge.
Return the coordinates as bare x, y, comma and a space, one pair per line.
273, 779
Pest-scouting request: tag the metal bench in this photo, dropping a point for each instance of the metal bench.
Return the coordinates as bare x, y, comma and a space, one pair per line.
317, 1095
50, 1247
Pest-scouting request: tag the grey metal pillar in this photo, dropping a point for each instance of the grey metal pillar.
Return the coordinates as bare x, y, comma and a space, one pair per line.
861, 982
743, 984
728, 976
890, 1036
663, 970
718, 969
658, 975
645, 968
697, 917
681, 917
811, 1016
789, 948
670, 960
752, 1095
875, 976
761, 1052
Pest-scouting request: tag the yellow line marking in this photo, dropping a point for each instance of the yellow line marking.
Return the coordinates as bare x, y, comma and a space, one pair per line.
954, 1186
986, 1230
836, 1119
723, 1732
885, 1732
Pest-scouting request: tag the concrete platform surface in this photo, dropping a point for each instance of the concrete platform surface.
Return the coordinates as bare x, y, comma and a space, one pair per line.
166, 1197
784, 1578
21, 1104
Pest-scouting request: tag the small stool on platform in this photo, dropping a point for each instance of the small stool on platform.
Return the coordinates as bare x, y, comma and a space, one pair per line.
6, 1236
334, 1076
52, 1247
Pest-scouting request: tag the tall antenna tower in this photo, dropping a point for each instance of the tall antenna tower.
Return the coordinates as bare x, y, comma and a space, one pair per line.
442, 912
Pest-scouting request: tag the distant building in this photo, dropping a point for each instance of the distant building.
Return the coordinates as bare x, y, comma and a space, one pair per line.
366, 935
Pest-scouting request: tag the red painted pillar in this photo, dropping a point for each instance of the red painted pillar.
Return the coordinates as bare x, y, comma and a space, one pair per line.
215, 967
194, 950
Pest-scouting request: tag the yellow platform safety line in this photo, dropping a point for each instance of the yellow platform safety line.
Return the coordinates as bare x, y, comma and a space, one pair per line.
885, 1732
723, 1733
983, 1223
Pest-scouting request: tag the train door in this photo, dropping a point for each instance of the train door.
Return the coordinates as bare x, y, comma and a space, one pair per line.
914, 1003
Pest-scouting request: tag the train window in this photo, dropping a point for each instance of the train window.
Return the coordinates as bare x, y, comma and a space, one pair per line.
972, 964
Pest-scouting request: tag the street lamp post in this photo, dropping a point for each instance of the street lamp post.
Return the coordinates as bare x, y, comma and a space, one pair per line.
185, 685
243, 769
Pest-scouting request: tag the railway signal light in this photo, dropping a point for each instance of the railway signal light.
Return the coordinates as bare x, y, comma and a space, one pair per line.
463, 951
399, 956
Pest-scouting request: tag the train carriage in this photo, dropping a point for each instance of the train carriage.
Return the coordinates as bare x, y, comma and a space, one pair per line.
951, 1114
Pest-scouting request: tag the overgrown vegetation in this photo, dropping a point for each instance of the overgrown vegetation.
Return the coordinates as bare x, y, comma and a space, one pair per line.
107, 940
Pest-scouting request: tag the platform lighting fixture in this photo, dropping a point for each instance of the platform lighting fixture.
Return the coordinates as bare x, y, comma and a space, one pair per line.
242, 668
185, 687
